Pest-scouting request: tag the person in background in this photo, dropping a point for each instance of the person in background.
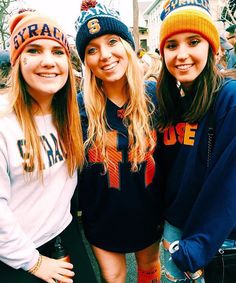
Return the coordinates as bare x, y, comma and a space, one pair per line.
151, 66
141, 52
5, 68
223, 53
197, 175
120, 212
41, 147
77, 68
231, 37
231, 33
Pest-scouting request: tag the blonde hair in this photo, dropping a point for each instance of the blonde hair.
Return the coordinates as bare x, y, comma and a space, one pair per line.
155, 67
66, 119
137, 115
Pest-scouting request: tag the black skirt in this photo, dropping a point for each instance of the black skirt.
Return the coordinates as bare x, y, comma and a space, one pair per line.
72, 242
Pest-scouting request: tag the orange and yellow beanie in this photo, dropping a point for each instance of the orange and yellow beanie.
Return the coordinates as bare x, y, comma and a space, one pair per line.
29, 26
188, 16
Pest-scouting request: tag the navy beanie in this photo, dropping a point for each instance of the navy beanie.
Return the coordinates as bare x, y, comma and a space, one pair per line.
96, 21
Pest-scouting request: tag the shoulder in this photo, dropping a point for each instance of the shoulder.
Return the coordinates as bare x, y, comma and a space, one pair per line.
150, 89
228, 91
7, 116
226, 99
80, 100
9, 126
150, 86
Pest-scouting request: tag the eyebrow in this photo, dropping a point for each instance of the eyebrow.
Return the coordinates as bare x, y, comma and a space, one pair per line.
41, 45
189, 37
106, 36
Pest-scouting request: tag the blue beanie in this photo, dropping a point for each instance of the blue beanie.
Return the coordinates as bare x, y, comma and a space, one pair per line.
96, 21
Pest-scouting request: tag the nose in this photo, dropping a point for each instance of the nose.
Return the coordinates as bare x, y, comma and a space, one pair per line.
47, 59
182, 52
105, 53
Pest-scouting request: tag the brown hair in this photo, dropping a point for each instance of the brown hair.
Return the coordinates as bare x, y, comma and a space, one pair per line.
206, 86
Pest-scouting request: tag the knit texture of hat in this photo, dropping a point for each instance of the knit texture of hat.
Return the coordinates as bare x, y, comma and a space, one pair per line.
30, 26
96, 21
188, 16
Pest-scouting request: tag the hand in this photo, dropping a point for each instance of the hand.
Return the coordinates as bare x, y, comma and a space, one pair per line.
51, 270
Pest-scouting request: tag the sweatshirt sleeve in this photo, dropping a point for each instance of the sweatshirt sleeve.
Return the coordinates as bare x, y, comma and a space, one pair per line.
213, 215
16, 250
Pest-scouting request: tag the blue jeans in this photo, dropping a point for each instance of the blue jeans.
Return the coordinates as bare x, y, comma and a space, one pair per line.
169, 271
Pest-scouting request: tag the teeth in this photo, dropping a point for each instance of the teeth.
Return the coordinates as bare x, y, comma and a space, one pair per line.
183, 67
48, 75
109, 67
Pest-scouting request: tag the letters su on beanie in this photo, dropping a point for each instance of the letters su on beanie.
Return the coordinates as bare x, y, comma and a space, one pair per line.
188, 16
96, 20
29, 26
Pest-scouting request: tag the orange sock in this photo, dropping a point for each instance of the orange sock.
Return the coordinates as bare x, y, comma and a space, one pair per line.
150, 276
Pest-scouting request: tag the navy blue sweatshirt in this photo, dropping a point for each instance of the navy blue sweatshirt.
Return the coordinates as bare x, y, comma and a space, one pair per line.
119, 208
201, 201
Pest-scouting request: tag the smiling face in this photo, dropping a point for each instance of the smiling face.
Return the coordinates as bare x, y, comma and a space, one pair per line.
106, 57
44, 67
185, 55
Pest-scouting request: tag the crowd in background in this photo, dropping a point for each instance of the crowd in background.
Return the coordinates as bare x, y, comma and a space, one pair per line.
116, 115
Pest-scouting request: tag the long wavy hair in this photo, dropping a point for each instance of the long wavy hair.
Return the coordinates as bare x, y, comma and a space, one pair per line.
66, 119
137, 115
206, 86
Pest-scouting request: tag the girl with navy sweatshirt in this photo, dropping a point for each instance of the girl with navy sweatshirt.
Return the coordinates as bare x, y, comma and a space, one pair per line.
198, 186
116, 188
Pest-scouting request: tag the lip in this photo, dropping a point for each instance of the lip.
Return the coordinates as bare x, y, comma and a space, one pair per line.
110, 66
184, 67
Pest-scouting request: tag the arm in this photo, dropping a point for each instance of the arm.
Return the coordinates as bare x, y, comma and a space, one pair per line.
213, 215
16, 248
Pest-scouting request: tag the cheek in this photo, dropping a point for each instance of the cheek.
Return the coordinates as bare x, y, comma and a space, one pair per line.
167, 57
24, 66
203, 56
124, 59
167, 60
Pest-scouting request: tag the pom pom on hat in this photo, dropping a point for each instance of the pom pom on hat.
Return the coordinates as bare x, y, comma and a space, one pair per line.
29, 26
188, 16
96, 20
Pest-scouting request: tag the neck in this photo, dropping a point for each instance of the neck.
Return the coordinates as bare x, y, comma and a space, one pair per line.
116, 92
42, 108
